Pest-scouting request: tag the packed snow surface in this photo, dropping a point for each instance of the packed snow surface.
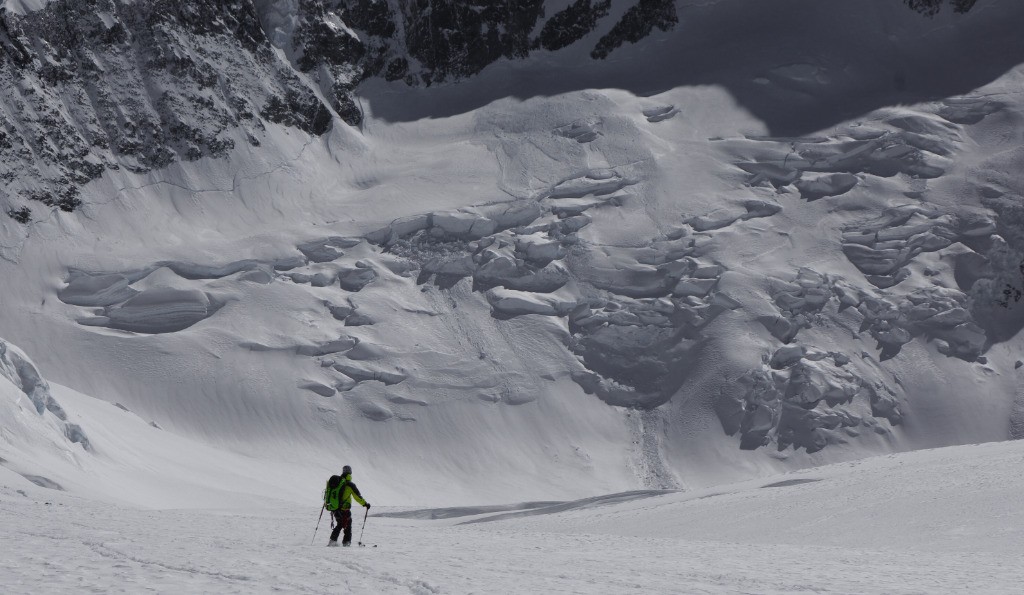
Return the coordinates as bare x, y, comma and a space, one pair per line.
937, 521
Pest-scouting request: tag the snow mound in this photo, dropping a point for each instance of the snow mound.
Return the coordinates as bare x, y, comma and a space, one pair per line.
660, 113
157, 310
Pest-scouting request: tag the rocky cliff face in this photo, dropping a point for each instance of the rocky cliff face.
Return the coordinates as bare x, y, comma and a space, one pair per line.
92, 85
96, 85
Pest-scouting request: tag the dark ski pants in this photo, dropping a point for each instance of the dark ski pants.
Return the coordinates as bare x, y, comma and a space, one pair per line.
343, 518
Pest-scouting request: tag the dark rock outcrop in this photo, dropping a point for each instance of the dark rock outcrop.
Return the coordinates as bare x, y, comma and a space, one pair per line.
92, 85
638, 22
570, 24
95, 85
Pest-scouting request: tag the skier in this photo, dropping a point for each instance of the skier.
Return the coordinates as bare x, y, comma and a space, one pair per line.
338, 499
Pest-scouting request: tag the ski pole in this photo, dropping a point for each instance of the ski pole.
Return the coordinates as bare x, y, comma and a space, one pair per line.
365, 514
318, 523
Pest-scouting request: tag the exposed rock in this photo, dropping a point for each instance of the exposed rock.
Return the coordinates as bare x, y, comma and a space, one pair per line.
637, 23
107, 84
572, 23
113, 84
454, 40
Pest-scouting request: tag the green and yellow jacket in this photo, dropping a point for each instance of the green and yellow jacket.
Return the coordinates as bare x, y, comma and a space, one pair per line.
340, 491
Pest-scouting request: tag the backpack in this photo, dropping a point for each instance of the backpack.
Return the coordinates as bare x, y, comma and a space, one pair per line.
332, 493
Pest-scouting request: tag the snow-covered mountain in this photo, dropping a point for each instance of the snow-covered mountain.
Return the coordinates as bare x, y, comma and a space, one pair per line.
507, 251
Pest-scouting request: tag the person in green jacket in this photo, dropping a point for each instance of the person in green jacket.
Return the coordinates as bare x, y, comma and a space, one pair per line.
338, 499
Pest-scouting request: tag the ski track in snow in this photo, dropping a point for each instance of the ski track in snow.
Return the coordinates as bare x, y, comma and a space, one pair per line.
118, 550
267, 555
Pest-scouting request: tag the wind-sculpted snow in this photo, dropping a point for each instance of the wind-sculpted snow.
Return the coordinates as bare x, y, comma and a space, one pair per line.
912, 145
638, 343
723, 217
992, 271
798, 302
936, 313
327, 249
658, 114
805, 398
166, 305
636, 317
96, 290
18, 370
351, 278
810, 404
157, 310
33, 425
882, 248
815, 187
582, 131
173, 296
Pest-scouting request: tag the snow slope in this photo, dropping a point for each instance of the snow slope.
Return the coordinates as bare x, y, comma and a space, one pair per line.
594, 286
945, 520
63, 440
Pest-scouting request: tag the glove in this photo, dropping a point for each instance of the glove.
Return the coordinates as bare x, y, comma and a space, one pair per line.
367, 506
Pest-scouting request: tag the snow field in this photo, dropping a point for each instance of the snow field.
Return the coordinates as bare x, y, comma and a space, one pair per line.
942, 521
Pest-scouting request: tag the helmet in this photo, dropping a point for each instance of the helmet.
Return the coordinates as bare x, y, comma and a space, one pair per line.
346, 470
